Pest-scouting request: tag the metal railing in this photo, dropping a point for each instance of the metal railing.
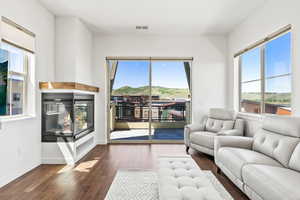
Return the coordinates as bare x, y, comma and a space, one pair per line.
160, 113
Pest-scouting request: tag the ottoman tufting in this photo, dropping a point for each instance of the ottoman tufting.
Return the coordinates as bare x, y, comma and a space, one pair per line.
180, 178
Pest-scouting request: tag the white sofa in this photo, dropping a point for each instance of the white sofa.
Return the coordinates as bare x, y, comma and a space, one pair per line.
267, 166
218, 122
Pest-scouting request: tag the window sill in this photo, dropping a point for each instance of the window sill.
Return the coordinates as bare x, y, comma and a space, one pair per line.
16, 118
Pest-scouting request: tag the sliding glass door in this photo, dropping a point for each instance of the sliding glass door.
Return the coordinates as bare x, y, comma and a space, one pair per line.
171, 99
150, 100
129, 100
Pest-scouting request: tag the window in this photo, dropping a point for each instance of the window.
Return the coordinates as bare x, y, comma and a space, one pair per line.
265, 77
13, 80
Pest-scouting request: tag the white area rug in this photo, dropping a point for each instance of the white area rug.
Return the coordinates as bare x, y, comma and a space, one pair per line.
142, 185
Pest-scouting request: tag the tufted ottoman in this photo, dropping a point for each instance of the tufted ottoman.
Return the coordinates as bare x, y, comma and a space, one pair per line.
180, 178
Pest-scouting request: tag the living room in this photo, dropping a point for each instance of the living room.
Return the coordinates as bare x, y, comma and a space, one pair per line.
239, 70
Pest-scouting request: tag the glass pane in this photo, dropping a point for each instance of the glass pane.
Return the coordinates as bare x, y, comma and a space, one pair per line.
278, 56
171, 99
16, 58
278, 95
17, 94
251, 97
16, 62
129, 100
4, 107
250, 66
83, 116
58, 119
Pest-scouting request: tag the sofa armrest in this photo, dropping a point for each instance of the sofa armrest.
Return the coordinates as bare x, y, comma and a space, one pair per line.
191, 128
232, 141
232, 132
195, 127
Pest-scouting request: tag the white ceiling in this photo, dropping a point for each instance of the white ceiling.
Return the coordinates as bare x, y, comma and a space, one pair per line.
164, 17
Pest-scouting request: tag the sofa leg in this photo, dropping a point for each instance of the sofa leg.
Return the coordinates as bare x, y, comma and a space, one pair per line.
187, 149
219, 171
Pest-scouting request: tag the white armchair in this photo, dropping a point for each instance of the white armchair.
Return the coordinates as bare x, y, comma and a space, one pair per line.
219, 122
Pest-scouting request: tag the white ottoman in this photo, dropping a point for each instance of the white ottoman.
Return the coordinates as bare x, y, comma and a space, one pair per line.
180, 178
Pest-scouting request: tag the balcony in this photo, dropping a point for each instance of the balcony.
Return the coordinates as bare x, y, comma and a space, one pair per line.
131, 122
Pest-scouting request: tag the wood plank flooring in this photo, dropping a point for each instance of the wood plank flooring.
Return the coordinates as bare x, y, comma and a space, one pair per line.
91, 177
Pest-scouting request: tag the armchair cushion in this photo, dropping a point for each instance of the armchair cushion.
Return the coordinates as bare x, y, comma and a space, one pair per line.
203, 138
215, 125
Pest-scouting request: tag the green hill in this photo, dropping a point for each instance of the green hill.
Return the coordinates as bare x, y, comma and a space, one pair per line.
162, 92
271, 98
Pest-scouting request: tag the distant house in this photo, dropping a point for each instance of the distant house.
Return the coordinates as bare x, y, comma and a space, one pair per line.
254, 107
284, 111
136, 108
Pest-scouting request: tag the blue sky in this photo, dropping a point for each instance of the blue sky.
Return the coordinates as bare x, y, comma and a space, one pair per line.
136, 74
278, 62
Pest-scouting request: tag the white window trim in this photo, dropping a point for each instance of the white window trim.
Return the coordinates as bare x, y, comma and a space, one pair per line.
262, 77
28, 77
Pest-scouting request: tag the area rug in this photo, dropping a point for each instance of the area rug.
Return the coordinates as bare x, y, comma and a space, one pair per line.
142, 185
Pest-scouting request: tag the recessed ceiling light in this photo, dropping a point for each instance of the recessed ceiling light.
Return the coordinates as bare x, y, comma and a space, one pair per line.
141, 27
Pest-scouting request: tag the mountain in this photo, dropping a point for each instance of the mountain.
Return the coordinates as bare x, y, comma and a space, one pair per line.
162, 92
283, 98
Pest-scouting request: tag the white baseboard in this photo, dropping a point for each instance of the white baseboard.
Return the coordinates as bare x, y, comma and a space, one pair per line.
58, 160
4, 180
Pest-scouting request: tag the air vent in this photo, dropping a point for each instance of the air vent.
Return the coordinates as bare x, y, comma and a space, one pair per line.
141, 27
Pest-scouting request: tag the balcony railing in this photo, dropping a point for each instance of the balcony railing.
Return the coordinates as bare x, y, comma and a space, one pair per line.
160, 113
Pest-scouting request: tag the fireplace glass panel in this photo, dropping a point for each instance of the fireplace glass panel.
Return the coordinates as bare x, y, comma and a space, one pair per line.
58, 118
67, 117
83, 116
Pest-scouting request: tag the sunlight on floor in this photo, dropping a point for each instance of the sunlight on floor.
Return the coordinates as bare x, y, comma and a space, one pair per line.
130, 133
82, 167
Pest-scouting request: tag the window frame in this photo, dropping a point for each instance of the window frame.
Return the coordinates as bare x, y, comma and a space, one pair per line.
24, 75
263, 78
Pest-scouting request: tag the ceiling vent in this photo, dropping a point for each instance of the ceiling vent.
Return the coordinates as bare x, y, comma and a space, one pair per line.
141, 27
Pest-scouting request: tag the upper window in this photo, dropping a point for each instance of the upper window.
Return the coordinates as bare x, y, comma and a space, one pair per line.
13, 80
266, 78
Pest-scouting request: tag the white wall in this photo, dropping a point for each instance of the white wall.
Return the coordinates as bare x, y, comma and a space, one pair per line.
73, 50
65, 49
274, 15
208, 71
84, 55
20, 141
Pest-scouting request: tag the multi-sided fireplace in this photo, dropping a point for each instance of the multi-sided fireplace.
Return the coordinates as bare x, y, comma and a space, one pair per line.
66, 117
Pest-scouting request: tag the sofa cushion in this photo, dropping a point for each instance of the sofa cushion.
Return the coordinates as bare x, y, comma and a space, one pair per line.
234, 159
215, 125
203, 138
295, 159
283, 125
274, 145
272, 183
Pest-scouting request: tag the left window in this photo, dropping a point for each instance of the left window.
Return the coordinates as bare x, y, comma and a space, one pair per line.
14, 65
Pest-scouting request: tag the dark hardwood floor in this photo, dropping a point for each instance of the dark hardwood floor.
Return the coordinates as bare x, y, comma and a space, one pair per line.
91, 177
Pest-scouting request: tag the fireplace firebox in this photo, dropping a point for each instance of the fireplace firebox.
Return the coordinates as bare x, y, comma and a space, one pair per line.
66, 117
